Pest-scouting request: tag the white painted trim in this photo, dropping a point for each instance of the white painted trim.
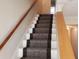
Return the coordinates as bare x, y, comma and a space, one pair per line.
19, 50
53, 37
54, 43
24, 43
53, 30
57, 42
52, 10
54, 54
27, 35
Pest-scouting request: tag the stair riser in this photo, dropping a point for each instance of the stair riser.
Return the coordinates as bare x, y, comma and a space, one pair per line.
44, 21
45, 17
39, 36
36, 53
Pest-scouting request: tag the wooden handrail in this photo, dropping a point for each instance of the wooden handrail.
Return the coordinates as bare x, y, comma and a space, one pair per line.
65, 47
14, 29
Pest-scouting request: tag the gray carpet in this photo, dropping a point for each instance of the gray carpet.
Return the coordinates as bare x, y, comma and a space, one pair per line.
39, 45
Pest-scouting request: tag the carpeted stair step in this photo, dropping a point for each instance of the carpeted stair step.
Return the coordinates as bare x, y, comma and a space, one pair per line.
38, 43
40, 39
46, 16
43, 25
41, 30
35, 52
39, 36
43, 21
33, 58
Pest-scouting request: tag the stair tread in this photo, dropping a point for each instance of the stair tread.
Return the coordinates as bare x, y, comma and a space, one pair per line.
32, 58
42, 25
29, 48
41, 30
44, 20
39, 35
40, 39
45, 16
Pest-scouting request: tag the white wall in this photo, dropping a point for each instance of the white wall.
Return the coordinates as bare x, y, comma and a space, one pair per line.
71, 20
60, 4
10, 13
14, 9
69, 9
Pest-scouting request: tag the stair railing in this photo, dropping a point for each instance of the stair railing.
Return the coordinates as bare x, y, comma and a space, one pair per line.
15, 28
65, 47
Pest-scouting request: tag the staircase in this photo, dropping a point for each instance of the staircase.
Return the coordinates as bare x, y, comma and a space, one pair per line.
39, 45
